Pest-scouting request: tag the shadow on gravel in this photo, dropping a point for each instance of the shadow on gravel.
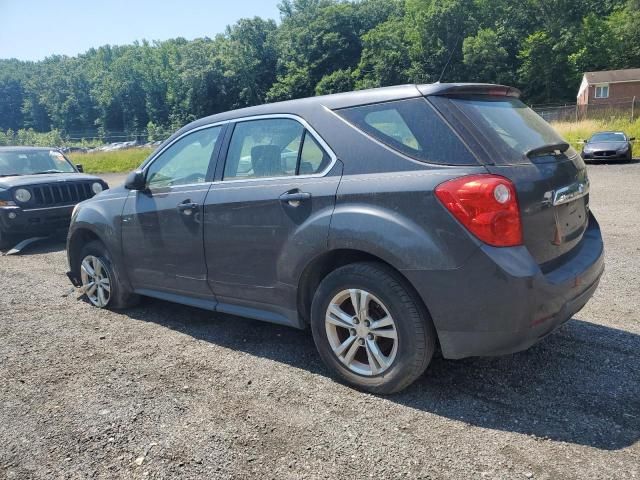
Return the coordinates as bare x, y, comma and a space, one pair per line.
47, 245
580, 385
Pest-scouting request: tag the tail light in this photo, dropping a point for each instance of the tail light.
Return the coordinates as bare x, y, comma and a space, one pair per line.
486, 205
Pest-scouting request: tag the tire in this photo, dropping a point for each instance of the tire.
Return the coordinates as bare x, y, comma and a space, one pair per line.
6, 241
383, 292
96, 254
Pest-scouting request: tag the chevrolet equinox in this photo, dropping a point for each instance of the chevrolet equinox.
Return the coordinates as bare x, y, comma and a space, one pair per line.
390, 221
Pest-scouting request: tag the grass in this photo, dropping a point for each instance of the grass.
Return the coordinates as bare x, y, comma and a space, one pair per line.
574, 132
116, 161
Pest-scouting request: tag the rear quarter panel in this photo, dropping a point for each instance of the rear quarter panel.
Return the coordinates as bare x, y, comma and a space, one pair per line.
396, 217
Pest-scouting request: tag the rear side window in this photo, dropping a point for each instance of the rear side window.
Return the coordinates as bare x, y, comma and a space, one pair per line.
313, 159
413, 128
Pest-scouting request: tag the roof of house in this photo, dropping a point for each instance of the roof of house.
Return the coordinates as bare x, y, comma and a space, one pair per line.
613, 76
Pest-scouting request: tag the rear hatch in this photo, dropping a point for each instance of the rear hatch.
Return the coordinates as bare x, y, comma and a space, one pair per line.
550, 177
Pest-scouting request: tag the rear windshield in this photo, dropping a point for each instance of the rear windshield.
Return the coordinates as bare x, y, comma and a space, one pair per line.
508, 124
413, 128
608, 137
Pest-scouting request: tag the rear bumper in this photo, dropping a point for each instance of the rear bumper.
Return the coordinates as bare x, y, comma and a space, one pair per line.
500, 301
41, 221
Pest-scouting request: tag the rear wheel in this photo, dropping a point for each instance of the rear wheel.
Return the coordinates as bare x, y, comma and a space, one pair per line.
100, 280
370, 328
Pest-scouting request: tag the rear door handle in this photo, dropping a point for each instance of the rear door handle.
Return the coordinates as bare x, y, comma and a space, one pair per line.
187, 207
294, 198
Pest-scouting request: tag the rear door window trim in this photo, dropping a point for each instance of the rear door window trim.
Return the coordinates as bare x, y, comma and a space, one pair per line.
307, 129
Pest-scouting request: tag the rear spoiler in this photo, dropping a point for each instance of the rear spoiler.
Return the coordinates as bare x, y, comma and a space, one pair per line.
468, 89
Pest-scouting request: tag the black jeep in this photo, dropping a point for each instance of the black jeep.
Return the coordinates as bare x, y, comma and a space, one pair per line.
38, 189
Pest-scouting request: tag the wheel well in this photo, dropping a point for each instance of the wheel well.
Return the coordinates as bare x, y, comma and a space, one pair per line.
326, 263
77, 241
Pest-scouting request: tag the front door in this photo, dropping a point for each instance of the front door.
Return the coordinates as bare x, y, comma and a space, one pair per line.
272, 206
162, 233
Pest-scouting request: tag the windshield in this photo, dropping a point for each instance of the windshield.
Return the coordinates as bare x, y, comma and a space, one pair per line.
511, 126
33, 162
608, 137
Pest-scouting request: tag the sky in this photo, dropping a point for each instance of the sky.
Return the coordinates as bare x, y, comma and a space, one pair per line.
35, 29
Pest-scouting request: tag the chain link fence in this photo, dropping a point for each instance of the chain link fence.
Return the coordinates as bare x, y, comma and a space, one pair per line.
623, 108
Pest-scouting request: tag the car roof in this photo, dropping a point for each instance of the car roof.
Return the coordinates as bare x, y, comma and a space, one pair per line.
360, 97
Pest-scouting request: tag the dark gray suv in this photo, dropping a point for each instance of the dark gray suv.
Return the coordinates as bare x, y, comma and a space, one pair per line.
389, 221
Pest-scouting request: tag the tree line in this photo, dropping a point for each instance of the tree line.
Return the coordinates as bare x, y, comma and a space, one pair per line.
318, 47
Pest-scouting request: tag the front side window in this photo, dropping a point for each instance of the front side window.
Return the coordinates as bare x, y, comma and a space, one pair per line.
186, 161
602, 91
32, 162
274, 147
411, 127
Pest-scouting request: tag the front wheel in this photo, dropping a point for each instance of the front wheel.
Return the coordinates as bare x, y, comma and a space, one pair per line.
6, 241
100, 280
371, 329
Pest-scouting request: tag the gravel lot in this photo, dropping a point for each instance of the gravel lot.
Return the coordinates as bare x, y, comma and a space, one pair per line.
166, 391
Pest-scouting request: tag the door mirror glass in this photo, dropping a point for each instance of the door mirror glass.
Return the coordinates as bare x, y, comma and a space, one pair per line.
79, 167
186, 161
135, 181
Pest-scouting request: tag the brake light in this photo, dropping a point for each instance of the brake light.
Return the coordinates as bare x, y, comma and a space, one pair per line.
486, 205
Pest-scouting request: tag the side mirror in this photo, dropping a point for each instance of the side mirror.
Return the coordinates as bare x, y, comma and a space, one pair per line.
632, 139
136, 181
79, 167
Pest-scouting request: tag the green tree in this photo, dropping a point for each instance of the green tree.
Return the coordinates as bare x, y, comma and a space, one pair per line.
385, 56
486, 59
336, 82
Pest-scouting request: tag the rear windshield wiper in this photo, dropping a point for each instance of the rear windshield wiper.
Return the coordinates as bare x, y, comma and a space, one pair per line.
549, 148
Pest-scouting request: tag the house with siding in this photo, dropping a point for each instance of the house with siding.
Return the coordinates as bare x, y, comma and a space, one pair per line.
610, 87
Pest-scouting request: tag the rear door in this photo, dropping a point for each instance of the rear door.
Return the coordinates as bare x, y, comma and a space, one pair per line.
162, 232
272, 202
550, 177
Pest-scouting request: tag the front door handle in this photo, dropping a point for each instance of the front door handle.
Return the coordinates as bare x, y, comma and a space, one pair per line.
187, 207
294, 198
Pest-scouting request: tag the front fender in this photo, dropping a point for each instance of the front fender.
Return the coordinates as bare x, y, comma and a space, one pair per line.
98, 218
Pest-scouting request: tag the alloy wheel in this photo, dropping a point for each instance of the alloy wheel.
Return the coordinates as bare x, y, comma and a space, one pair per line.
361, 331
96, 283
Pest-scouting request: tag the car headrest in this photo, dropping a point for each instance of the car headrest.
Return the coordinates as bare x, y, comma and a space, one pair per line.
266, 161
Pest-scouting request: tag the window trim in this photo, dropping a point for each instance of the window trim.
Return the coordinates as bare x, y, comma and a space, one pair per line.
601, 86
214, 155
307, 128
